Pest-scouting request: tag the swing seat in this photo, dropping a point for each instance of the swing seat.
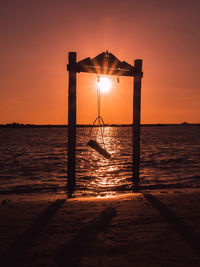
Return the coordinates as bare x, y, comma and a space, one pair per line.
93, 144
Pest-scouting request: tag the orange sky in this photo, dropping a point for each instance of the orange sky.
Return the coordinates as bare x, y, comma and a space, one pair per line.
37, 35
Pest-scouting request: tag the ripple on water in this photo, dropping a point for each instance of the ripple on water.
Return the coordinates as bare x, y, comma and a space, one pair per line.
35, 159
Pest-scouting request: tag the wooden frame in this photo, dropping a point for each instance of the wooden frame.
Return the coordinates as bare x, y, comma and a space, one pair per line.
104, 63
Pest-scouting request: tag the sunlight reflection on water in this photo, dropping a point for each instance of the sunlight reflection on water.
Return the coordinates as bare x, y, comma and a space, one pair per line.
162, 160
35, 160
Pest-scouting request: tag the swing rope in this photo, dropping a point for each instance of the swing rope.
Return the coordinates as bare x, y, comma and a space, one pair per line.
99, 119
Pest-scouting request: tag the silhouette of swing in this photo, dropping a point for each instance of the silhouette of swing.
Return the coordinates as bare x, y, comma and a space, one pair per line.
106, 64
93, 143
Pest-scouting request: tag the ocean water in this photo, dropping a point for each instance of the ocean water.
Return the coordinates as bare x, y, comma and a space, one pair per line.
34, 160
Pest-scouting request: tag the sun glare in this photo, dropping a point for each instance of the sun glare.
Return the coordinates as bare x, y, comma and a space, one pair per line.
104, 84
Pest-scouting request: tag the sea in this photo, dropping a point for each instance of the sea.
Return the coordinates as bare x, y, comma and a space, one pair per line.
34, 160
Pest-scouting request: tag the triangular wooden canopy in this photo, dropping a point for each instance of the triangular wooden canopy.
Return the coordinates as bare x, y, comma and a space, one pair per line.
104, 63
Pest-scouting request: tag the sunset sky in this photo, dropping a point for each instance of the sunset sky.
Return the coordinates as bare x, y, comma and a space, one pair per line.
36, 36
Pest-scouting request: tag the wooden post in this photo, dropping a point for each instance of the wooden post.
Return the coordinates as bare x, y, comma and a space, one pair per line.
136, 123
71, 181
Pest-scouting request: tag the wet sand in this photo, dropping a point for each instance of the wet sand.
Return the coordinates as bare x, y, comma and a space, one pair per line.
151, 228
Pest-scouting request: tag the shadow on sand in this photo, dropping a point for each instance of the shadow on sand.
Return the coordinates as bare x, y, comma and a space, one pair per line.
191, 237
71, 253
17, 249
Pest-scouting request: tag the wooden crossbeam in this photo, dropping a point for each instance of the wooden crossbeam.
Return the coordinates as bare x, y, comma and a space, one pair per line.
104, 63
102, 70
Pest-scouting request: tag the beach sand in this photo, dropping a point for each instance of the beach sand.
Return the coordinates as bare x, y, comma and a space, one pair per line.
150, 228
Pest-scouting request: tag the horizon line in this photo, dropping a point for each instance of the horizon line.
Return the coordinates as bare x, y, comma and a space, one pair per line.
14, 124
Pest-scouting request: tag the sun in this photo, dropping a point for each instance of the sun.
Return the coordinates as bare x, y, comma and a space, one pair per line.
105, 84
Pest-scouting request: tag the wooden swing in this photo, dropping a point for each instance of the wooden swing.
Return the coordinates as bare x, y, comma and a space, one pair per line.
100, 123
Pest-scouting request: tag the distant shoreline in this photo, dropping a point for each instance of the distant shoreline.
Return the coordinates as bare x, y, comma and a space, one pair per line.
20, 125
